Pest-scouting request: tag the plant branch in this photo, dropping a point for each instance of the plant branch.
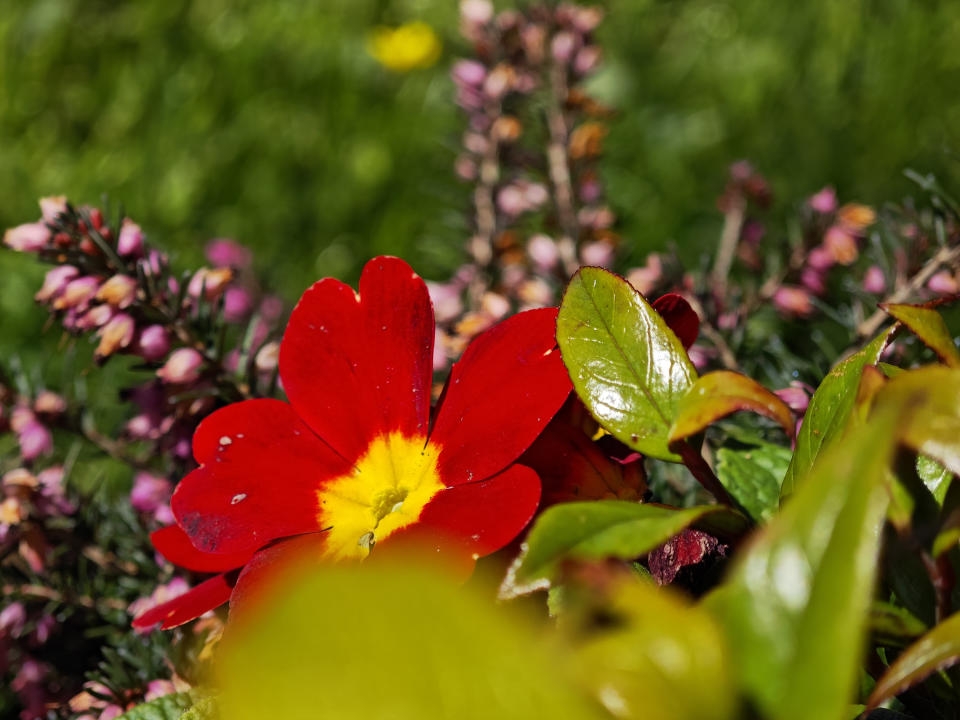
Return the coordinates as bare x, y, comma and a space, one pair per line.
703, 473
559, 169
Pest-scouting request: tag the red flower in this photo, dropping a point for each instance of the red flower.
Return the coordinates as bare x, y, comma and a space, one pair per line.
355, 460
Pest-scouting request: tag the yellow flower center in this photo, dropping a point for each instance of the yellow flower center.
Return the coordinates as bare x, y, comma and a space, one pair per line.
386, 491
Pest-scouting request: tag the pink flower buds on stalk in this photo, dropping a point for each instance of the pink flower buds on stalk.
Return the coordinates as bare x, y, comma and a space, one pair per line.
183, 366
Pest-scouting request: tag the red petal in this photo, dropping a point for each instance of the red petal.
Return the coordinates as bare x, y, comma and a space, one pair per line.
206, 596
475, 519
258, 481
174, 544
679, 316
356, 367
500, 395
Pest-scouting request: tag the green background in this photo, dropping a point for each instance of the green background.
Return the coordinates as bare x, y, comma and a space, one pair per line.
270, 123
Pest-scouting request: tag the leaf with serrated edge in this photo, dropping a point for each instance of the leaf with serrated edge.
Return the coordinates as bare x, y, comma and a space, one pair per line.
626, 365
602, 529
829, 410
796, 604
928, 325
721, 393
938, 649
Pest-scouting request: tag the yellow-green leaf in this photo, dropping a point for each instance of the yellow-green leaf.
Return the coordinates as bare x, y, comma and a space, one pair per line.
928, 325
626, 365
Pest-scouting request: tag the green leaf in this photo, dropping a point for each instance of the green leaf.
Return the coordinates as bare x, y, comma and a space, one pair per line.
829, 410
928, 325
753, 477
206, 708
664, 659
167, 707
398, 642
626, 365
938, 649
894, 625
796, 604
602, 529
935, 476
722, 393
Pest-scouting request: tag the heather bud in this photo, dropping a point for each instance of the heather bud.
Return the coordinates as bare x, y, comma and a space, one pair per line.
587, 60
12, 619
943, 283
237, 304
469, 73
49, 403
494, 304
150, 492
563, 46
645, 278
446, 301
120, 291
511, 200
115, 335
874, 280
95, 317
267, 357
30, 237
856, 218
476, 12
55, 282
820, 258
597, 253
543, 252
11, 512
824, 202
223, 252
841, 245
813, 281
77, 293
130, 240
51, 207
35, 440
793, 301
795, 397
153, 343
183, 366
209, 282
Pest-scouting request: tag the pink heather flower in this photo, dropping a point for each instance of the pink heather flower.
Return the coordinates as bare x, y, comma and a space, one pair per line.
536, 194
153, 343
644, 279
597, 253
130, 240
813, 281
95, 317
164, 515
271, 308
50, 207
793, 301
150, 492
497, 83
210, 282
820, 258
30, 237
587, 60
824, 202
841, 245
35, 440
543, 252
183, 366
476, 12
511, 200
21, 417
120, 291
267, 357
237, 304
494, 305
698, 356
45, 626
943, 283
77, 293
465, 167
874, 280
563, 46
49, 403
110, 712
796, 397
158, 688
223, 252
12, 619
115, 335
535, 293
469, 73
446, 301
55, 281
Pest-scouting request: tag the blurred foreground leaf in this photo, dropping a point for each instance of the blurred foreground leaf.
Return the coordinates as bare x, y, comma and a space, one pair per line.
829, 410
627, 366
603, 529
399, 643
927, 324
795, 606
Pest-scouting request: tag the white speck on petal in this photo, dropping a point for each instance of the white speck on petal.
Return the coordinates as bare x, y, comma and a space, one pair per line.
239, 497
225, 440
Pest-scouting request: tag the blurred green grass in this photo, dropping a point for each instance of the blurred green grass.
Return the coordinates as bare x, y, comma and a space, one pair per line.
270, 123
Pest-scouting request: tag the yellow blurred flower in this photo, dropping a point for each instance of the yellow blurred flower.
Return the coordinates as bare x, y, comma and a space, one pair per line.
408, 47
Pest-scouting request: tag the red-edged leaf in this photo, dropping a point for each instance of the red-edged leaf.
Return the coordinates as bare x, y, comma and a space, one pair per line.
357, 366
174, 544
501, 394
679, 316
260, 469
206, 596
722, 393
927, 324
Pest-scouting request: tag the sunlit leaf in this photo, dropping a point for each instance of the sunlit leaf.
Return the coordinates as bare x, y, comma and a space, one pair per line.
829, 410
927, 324
796, 604
935, 476
398, 642
721, 393
753, 477
663, 659
938, 649
602, 529
626, 364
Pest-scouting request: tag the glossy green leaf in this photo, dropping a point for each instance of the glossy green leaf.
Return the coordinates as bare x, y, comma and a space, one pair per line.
626, 365
796, 604
602, 529
167, 707
663, 659
928, 325
721, 393
395, 642
933, 428
935, 476
938, 649
753, 477
829, 410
